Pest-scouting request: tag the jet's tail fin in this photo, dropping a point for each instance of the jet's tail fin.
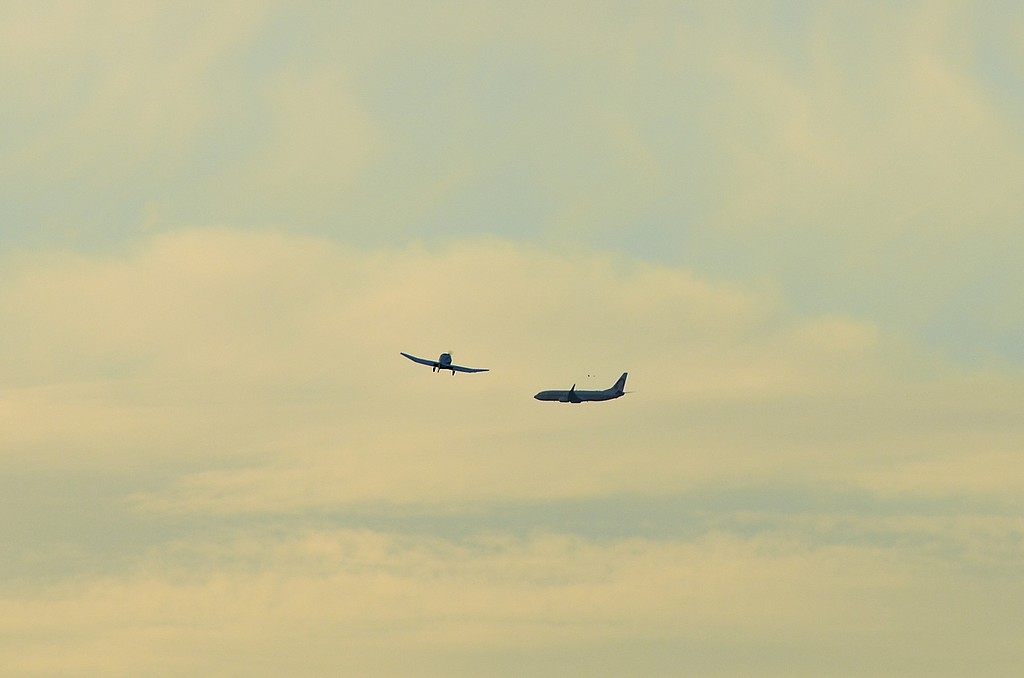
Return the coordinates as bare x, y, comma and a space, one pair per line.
620, 385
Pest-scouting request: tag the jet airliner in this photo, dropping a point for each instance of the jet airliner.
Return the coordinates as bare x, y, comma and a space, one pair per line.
574, 396
443, 362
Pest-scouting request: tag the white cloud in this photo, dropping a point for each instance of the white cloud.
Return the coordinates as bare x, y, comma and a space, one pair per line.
103, 91
320, 139
280, 353
359, 601
189, 428
251, 384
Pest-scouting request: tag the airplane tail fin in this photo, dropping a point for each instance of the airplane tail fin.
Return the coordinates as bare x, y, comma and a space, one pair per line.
620, 385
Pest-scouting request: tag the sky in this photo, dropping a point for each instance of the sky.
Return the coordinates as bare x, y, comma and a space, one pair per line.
797, 226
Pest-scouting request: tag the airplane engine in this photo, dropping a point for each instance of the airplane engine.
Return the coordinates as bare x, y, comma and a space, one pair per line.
445, 359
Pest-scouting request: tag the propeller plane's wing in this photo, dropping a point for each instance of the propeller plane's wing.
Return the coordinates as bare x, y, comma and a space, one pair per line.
460, 368
443, 363
422, 361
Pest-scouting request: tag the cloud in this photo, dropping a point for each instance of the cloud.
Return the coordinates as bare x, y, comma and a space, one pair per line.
103, 91
234, 456
865, 159
879, 122
214, 460
378, 603
319, 140
277, 356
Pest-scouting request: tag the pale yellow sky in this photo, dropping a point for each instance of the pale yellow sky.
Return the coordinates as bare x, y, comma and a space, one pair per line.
795, 226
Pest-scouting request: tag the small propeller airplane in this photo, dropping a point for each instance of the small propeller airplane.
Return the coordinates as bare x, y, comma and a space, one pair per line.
444, 362
574, 396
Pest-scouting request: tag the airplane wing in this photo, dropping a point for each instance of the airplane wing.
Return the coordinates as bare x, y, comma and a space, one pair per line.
421, 361
460, 368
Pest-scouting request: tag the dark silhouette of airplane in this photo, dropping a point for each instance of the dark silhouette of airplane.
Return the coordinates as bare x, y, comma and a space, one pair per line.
574, 396
444, 362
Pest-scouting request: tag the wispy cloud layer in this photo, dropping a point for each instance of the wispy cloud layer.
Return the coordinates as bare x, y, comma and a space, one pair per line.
391, 605
867, 159
796, 227
280, 477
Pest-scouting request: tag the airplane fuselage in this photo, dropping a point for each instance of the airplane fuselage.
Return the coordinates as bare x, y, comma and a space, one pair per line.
574, 396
